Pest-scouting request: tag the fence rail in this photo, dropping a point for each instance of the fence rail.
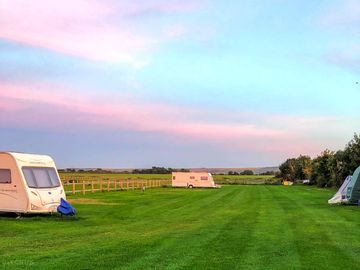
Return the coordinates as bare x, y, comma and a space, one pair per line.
81, 184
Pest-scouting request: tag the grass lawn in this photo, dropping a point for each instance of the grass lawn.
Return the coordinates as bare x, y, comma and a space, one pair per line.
235, 227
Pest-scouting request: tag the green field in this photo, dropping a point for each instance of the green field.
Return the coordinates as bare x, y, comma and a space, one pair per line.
235, 227
219, 179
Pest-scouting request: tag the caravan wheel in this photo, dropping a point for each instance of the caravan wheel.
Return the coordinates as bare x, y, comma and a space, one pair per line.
190, 186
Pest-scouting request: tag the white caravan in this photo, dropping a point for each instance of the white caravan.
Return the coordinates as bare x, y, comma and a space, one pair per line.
193, 179
29, 183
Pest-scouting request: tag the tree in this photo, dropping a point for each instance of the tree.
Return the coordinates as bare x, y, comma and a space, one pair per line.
247, 172
287, 169
302, 168
322, 170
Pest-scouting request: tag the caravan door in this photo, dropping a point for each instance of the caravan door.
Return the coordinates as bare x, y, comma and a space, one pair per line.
12, 197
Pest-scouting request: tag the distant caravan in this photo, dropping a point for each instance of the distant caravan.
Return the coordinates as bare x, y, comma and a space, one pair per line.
29, 183
193, 180
349, 192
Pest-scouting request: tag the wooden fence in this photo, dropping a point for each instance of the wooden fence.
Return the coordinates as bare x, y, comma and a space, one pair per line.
81, 184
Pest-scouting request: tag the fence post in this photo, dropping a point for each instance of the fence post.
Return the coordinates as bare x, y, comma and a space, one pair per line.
101, 184
108, 185
73, 186
83, 187
127, 184
92, 186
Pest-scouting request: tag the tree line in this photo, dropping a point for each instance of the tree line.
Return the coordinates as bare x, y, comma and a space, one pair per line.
152, 170
158, 170
246, 172
329, 169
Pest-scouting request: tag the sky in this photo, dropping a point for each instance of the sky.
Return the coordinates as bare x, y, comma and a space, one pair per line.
190, 83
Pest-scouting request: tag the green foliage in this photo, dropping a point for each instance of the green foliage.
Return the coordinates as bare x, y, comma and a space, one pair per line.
321, 169
268, 173
296, 168
328, 169
158, 170
247, 172
153, 170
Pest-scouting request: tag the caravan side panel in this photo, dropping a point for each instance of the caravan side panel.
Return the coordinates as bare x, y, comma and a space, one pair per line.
13, 197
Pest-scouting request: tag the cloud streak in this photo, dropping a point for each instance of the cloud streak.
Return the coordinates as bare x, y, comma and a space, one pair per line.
61, 108
94, 30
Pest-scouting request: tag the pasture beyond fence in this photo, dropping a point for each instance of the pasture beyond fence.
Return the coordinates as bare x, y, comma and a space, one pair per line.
84, 184
95, 182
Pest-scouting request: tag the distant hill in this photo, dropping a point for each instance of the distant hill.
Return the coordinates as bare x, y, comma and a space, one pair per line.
256, 170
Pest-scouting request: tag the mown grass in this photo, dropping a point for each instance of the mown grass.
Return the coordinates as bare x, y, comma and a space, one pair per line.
246, 179
235, 227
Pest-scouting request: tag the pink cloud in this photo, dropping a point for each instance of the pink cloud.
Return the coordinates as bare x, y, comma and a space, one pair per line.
95, 30
56, 107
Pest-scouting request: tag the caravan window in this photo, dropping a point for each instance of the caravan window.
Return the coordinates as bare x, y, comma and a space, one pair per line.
41, 177
5, 176
204, 178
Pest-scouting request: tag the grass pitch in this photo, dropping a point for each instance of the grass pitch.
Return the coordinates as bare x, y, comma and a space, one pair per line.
235, 227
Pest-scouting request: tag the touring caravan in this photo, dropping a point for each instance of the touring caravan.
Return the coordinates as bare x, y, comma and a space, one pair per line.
193, 179
29, 183
349, 191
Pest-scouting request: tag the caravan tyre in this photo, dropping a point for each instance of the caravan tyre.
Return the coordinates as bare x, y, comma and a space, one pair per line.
190, 186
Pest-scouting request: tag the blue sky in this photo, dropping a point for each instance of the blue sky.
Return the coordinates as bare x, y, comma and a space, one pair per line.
178, 83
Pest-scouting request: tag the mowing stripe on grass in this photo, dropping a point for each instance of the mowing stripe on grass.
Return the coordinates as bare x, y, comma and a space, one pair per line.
235, 227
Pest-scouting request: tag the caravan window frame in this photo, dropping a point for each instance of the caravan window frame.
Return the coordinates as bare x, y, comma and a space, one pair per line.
47, 169
9, 171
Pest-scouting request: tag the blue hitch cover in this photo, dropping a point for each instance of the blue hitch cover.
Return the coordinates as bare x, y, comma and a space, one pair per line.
65, 208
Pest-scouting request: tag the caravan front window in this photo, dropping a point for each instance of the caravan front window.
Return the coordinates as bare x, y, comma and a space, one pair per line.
41, 177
